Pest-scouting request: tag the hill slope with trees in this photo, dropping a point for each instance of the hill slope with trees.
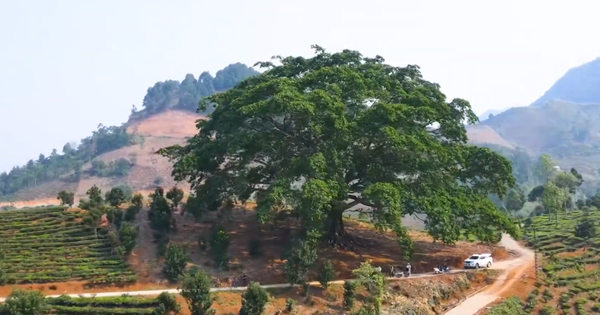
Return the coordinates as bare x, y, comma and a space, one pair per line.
112, 154
567, 131
561, 123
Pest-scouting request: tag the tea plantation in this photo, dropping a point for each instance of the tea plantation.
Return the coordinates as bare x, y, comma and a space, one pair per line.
54, 245
569, 260
65, 305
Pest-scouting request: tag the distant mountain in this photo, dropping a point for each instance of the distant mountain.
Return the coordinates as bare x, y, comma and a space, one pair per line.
580, 85
567, 131
489, 112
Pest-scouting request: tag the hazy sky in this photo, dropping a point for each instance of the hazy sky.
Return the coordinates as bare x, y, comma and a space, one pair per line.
68, 65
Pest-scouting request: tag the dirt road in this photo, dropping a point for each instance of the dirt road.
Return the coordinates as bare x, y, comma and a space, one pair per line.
268, 286
515, 267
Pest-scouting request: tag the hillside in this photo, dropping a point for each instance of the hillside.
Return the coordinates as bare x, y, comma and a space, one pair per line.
567, 131
123, 154
579, 85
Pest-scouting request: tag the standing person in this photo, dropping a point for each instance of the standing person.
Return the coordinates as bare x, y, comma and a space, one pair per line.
408, 269
245, 279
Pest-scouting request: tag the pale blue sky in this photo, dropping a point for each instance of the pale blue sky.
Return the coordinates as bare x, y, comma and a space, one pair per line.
68, 65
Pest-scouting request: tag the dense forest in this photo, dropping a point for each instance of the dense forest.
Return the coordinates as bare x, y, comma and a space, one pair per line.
187, 93
67, 165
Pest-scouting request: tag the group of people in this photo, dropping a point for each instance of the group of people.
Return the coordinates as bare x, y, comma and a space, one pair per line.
444, 267
397, 272
236, 281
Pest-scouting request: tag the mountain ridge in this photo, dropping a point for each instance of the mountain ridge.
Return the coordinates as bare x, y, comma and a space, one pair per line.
578, 85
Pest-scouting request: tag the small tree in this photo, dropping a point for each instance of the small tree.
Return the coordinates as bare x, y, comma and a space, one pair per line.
175, 195
159, 213
115, 197
127, 236
326, 274
195, 289
21, 302
586, 228
373, 280
547, 295
167, 305
301, 257
515, 199
349, 292
137, 200
131, 212
175, 262
92, 220
126, 189
219, 245
552, 199
254, 300
66, 198
195, 206
95, 196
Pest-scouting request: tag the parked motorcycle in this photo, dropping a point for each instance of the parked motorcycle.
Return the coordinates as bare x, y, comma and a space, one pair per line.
441, 270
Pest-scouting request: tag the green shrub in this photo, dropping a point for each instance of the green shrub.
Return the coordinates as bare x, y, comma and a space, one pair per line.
175, 262
326, 274
349, 294
547, 295
289, 305
219, 246
254, 300
547, 310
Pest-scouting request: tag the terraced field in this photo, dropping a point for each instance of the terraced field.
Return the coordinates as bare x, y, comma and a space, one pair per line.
65, 305
569, 281
54, 245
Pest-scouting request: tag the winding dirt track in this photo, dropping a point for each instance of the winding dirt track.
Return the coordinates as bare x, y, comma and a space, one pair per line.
470, 306
515, 267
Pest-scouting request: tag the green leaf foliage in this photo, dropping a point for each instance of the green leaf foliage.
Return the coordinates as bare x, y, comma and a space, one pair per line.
321, 135
254, 300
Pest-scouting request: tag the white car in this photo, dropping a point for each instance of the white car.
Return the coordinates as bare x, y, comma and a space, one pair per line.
479, 261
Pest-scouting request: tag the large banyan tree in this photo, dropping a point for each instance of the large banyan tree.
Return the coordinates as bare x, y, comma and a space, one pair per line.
321, 135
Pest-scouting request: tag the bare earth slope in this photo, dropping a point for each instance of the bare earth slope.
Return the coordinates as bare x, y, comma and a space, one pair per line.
481, 134
158, 131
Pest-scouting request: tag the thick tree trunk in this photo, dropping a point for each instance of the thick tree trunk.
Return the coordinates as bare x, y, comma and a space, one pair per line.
336, 233
335, 226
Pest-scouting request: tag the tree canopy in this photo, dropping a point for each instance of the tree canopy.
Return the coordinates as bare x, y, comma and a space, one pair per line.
319, 136
185, 95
